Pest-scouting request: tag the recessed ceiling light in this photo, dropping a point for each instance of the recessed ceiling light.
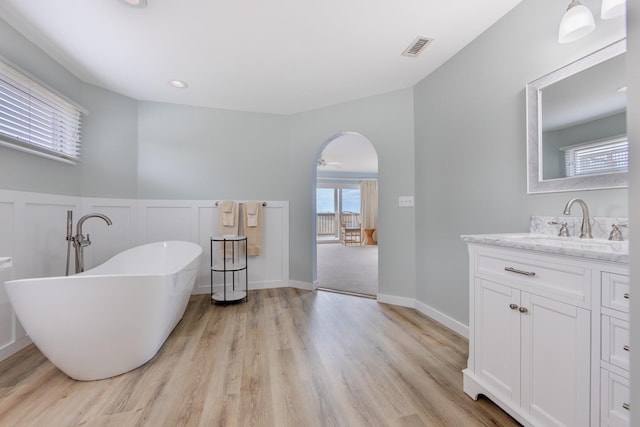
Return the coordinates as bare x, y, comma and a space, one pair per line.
622, 89
136, 3
179, 84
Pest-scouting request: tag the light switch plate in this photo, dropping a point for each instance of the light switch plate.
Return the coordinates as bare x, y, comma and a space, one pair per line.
405, 201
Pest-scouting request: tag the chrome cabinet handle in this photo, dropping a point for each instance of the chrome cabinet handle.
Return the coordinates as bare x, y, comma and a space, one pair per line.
626, 296
513, 306
626, 406
626, 348
523, 310
515, 270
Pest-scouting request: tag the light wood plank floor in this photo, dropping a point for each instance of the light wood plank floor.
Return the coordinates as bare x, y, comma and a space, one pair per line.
286, 358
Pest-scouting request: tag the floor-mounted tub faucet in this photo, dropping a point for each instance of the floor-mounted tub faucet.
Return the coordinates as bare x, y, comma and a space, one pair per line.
79, 241
585, 231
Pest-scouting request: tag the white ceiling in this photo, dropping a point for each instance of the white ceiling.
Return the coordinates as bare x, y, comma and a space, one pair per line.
277, 56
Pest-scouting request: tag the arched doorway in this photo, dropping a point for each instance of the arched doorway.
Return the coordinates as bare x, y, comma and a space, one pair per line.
345, 215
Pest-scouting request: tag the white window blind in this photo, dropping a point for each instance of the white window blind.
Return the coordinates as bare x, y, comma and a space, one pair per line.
35, 119
605, 156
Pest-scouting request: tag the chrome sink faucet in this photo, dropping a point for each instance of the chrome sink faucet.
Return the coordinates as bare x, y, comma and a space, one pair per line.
585, 231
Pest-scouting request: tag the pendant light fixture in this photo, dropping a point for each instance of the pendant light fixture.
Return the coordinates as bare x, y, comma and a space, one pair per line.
613, 8
576, 23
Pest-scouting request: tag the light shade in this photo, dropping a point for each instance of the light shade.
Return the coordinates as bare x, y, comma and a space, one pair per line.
576, 23
179, 84
613, 8
136, 3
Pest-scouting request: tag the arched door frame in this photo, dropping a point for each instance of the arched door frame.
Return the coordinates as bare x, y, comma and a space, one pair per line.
314, 184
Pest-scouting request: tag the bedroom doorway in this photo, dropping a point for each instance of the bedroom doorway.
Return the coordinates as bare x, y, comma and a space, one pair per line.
346, 215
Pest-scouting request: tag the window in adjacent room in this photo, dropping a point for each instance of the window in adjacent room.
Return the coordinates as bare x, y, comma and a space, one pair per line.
35, 119
331, 200
604, 156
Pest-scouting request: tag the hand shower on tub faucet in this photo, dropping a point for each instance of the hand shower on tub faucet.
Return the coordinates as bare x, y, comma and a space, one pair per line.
79, 242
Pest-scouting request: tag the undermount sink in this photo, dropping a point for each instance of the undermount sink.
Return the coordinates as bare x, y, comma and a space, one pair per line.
543, 239
591, 248
596, 245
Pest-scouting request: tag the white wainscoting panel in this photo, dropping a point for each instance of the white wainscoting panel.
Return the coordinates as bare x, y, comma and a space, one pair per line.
108, 240
45, 235
7, 327
205, 231
33, 233
270, 269
166, 223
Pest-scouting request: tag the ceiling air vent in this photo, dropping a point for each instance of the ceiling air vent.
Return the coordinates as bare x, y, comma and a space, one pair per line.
417, 46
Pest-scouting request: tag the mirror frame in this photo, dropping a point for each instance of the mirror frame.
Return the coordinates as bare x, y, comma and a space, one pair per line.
535, 183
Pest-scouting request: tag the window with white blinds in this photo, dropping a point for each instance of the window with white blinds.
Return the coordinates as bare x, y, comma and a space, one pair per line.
605, 156
37, 120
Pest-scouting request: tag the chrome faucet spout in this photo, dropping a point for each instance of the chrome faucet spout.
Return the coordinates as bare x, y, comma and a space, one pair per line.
93, 215
585, 230
79, 241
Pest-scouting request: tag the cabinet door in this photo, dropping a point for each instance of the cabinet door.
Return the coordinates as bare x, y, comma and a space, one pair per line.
497, 338
555, 361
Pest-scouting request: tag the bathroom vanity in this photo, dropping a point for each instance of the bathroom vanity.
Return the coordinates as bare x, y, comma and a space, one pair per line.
548, 328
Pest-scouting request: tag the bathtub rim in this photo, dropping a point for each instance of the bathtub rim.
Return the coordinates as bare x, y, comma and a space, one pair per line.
87, 274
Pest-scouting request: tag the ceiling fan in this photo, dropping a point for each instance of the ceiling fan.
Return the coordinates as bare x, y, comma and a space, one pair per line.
325, 164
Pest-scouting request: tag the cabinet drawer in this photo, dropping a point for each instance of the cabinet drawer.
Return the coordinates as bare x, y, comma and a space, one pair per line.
615, 291
615, 341
614, 399
541, 274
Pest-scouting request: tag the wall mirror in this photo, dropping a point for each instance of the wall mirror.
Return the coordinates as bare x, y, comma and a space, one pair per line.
576, 125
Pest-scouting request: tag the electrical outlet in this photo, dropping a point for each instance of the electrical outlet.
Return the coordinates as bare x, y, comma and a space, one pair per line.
405, 201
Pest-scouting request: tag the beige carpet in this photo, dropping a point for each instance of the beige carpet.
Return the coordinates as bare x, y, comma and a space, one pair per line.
348, 268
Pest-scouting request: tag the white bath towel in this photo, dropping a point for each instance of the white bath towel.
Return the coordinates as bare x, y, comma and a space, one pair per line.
253, 232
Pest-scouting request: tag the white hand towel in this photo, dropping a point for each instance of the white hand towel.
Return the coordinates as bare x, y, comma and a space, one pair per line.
253, 232
228, 213
227, 223
252, 214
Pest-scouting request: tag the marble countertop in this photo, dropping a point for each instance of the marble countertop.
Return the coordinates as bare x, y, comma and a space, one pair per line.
599, 249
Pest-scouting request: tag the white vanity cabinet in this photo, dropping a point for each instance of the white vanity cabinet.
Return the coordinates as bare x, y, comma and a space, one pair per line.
615, 350
534, 343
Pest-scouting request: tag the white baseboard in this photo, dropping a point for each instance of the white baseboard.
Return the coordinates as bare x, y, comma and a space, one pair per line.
268, 285
423, 308
442, 318
14, 347
199, 290
428, 311
394, 300
302, 285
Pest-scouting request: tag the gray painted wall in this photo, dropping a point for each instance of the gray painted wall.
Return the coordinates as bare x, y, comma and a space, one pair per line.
26, 172
109, 144
202, 153
387, 122
468, 143
470, 146
472, 109
108, 166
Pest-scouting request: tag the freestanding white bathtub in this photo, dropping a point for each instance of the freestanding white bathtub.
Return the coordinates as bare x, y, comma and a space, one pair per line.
112, 318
